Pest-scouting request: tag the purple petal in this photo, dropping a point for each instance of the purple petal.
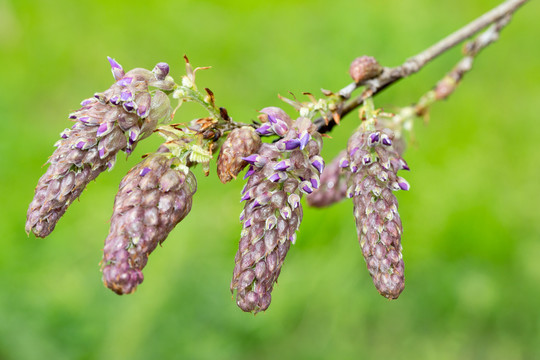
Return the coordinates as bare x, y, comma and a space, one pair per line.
250, 172
247, 223
283, 165
292, 238
350, 192
304, 139
286, 212
142, 111
306, 187
315, 182
161, 70
386, 140
291, 144
278, 177
72, 116
256, 160
133, 135
84, 119
294, 200
353, 151
403, 184
126, 95
125, 81
114, 63
343, 163
404, 165
144, 171
280, 128
265, 129
318, 163
102, 129
88, 102
245, 197
116, 68
80, 144
101, 152
129, 106
374, 137
114, 100
366, 159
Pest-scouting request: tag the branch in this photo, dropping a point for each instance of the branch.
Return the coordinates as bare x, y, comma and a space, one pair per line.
500, 15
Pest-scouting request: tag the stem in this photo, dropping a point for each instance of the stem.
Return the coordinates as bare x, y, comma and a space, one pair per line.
501, 15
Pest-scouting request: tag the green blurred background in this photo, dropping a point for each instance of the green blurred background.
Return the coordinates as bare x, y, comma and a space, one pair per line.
471, 241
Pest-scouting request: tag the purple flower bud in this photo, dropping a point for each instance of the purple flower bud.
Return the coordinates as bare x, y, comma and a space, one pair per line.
72, 116
84, 119
354, 168
250, 172
353, 151
129, 106
262, 199
256, 160
126, 95
125, 81
403, 184
404, 165
286, 212
366, 160
161, 70
100, 97
65, 134
386, 140
294, 200
103, 129
280, 128
291, 144
143, 111
265, 129
304, 139
247, 223
116, 68
318, 163
315, 182
88, 102
144, 171
350, 192
292, 238
344, 162
278, 177
270, 223
283, 165
275, 113
246, 196
374, 137
305, 187
80, 145
383, 176
133, 134
115, 99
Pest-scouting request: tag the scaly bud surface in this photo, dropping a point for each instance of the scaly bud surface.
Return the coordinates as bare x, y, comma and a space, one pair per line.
373, 163
272, 210
240, 143
153, 197
105, 124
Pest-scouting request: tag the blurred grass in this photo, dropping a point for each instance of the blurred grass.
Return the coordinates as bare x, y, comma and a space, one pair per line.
471, 221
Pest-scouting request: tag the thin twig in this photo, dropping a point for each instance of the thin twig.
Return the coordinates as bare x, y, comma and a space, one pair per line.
500, 15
